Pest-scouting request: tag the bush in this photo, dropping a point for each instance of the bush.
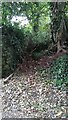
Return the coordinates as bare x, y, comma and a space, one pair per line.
59, 70
19, 44
13, 48
37, 55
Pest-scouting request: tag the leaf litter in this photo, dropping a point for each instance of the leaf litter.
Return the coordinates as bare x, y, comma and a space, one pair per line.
31, 94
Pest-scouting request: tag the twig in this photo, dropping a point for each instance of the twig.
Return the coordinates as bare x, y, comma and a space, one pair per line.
9, 77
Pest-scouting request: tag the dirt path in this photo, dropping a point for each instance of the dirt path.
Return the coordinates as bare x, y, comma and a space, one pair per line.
27, 96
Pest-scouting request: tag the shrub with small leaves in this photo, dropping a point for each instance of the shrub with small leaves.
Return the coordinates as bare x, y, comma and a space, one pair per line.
59, 70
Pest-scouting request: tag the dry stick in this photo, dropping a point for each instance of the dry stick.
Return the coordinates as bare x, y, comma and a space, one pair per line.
34, 49
9, 77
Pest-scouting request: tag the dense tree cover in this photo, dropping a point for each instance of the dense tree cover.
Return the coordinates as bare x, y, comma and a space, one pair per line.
45, 33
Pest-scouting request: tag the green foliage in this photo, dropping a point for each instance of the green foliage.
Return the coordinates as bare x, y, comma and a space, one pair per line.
17, 43
44, 74
13, 48
32, 39
41, 37
37, 55
59, 70
57, 73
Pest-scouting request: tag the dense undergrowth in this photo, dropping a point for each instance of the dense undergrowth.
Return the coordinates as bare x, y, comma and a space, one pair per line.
57, 73
19, 44
32, 34
17, 47
59, 70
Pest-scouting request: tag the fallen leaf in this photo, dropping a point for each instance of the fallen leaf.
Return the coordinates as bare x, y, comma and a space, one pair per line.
58, 114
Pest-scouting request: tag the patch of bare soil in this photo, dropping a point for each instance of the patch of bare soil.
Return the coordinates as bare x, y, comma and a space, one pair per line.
29, 64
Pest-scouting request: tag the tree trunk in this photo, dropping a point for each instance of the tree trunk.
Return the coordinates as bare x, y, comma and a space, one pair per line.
58, 24
59, 40
58, 46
